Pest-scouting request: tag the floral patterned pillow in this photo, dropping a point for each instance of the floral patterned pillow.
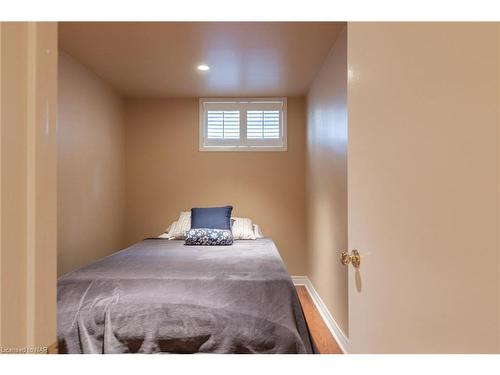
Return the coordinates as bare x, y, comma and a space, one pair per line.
209, 237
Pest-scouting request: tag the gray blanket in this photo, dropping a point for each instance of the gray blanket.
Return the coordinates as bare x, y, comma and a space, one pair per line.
161, 296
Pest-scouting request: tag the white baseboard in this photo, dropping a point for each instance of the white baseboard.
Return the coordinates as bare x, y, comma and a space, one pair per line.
332, 325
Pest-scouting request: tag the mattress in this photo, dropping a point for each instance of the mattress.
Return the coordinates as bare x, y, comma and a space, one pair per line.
160, 296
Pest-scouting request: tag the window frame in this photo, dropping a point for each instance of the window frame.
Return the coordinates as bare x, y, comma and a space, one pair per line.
243, 143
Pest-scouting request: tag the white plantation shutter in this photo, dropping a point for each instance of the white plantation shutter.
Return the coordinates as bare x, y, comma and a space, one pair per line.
263, 124
223, 124
243, 124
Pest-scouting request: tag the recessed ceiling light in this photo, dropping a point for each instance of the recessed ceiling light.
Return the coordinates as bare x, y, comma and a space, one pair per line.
203, 67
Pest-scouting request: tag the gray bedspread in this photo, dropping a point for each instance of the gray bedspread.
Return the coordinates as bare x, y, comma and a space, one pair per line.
161, 296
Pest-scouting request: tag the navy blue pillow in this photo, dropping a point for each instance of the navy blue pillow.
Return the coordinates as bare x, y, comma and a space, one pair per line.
211, 217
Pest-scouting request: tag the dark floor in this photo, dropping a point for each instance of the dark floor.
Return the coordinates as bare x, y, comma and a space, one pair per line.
323, 340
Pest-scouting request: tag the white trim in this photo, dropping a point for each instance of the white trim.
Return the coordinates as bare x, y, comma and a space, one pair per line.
243, 143
242, 148
336, 331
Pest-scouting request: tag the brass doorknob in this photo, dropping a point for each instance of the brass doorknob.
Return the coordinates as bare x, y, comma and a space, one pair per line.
354, 258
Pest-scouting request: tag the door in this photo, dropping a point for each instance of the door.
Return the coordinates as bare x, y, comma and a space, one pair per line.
423, 194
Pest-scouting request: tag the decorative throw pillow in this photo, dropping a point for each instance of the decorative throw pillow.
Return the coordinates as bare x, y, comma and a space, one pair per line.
179, 228
165, 234
211, 218
209, 237
242, 228
257, 231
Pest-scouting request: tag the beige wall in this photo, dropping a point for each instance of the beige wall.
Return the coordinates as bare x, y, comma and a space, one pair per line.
14, 86
424, 187
91, 167
327, 180
166, 174
498, 119
28, 67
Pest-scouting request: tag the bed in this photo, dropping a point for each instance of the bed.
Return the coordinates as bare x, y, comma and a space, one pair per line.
160, 296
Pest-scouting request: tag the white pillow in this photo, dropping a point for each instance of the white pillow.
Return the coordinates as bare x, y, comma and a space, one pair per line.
242, 228
257, 231
165, 234
179, 228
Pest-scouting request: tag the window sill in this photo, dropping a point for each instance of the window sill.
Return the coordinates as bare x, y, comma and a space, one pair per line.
243, 148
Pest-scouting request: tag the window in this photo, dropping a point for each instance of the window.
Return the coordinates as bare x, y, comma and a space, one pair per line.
243, 124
